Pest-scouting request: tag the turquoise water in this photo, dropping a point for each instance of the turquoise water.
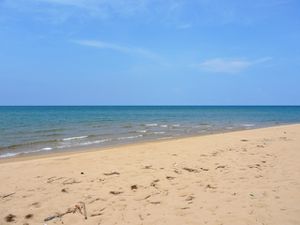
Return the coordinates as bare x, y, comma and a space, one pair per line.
26, 130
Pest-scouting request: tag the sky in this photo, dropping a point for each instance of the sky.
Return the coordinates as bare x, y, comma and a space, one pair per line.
149, 52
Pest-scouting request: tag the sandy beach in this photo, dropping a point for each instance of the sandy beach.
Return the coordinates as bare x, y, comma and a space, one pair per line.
244, 177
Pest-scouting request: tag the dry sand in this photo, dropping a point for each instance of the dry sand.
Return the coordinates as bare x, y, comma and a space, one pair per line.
244, 177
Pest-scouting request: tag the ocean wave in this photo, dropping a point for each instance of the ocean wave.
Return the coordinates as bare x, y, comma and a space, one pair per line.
202, 125
151, 125
129, 137
74, 138
47, 149
15, 146
72, 145
9, 154
141, 131
38, 150
248, 125
159, 132
176, 125
12, 154
164, 125
165, 138
49, 130
65, 146
94, 142
50, 135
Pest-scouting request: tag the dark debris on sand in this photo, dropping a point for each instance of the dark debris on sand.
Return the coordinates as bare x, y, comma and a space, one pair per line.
112, 173
29, 216
10, 218
191, 170
134, 187
115, 192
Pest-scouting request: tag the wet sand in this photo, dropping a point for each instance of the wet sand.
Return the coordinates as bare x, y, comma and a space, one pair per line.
244, 177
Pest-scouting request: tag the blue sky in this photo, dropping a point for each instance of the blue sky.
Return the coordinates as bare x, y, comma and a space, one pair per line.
149, 52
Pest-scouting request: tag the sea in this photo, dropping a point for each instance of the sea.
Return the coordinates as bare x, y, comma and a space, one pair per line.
26, 130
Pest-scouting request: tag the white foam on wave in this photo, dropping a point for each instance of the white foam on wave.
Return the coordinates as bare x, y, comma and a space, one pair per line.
130, 137
165, 138
74, 138
7, 155
164, 125
248, 125
38, 150
202, 126
159, 132
64, 146
141, 131
95, 142
151, 125
176, 125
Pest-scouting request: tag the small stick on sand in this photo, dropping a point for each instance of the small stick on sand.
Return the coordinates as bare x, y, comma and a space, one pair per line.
77, 207
5, 196
84, 210
70, 181
190, 170
112, 173
115, 192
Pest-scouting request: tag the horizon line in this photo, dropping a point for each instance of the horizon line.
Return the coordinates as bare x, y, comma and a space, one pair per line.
159, 105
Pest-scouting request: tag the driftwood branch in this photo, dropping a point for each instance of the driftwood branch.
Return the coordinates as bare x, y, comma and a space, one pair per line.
80, 207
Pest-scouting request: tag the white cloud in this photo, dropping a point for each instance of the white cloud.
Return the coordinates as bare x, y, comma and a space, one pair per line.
220, 65
121, 48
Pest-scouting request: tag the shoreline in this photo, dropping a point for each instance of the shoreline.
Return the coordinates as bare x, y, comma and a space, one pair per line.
43, 130
74, 151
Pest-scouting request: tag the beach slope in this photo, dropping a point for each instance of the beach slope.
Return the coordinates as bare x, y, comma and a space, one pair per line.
243, 177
